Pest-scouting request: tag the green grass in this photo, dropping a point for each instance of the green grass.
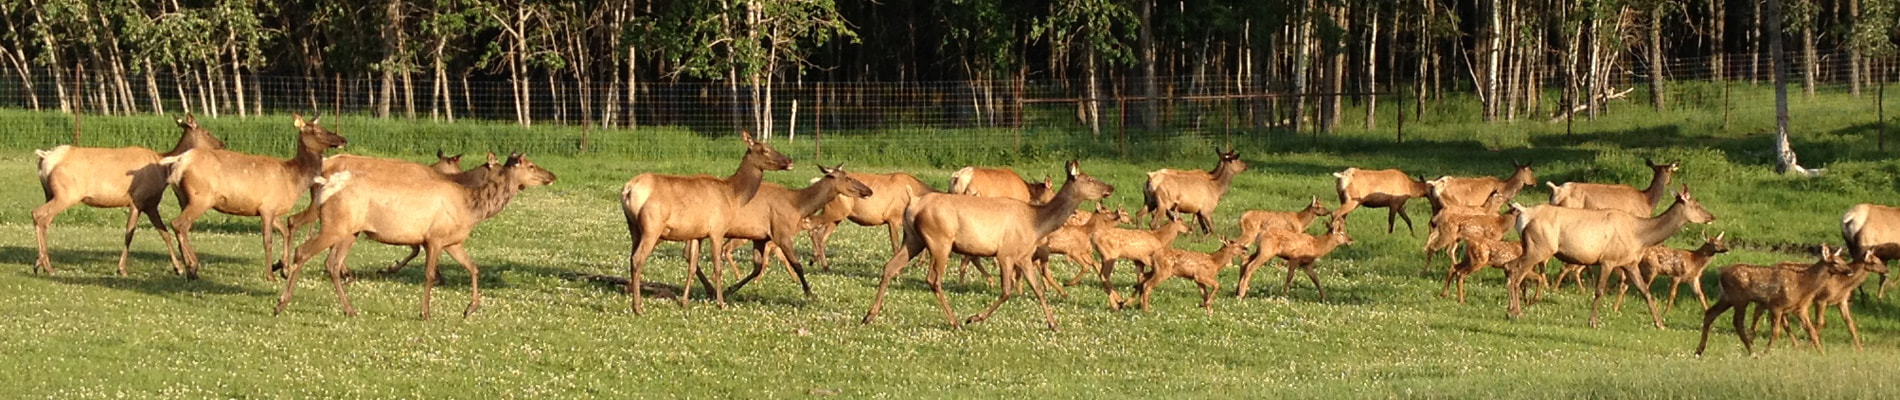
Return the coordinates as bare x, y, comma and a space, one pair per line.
1383, 332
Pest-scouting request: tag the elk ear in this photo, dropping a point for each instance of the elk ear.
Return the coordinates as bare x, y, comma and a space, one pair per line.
296, 120
514, 159
747, 137
1718, 236
491, 158
1074, 168
438, 154
1651, 163
314, 119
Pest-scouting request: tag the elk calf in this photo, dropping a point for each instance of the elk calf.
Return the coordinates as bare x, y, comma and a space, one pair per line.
1454, 223
1253, 222
1680, 265
1133, 245
999, 182
890, 194
129, 177
1481, 253
1076, 242
1385, 188
1779, 289
1195, 192
1203, 268
1299, 250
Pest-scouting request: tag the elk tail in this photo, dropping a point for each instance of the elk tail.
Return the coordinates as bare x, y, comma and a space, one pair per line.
634, 195
48, 160
178, 164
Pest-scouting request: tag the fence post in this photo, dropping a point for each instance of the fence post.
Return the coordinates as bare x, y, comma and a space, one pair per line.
1880, 111
1401, 107
818, 125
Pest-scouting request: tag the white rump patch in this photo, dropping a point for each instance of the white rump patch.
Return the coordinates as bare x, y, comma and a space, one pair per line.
178, 164
332, 185
1853, 222
51, 158
635, 194
1345, 179
960, 180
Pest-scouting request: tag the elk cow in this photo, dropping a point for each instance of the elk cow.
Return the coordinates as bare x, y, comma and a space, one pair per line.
399, 209
247, 185
129, 177
446, 167
1384, 188
1867, 228
1472, 192
890, 194
691, 208
999, 182
1195, 192
986, 227
774, 215
1600, 196
1612, 239
1298, 249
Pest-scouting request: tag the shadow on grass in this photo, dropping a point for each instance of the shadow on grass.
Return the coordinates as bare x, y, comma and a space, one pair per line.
157, 285
64, 260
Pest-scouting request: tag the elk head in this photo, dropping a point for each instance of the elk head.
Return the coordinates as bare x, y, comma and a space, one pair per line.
1336, 231
1696, 213
1230, 161
525, 173
846, 185
1086, 187
314, 136
1714, 245
1316, 209
762, 156
1660, 168
1523, 176
455, 160
197, 136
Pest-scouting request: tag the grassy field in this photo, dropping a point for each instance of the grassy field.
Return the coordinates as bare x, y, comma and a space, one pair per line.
1383, 332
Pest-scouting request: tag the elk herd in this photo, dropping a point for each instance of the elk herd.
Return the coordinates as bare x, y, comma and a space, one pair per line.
985, 213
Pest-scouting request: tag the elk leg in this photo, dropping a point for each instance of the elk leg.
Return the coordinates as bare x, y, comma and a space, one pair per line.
1048, 278
335, 266
939, 260
164, 233
1642, 286
131, 228
1205, 217
1747, 335
758, 267
1286, 287
789, 255
1145, 289
1695, 283
1675, 283
820, 235
430, 273
43, 219
1603, 285
1107, 269
1010, 274
1209, 286
404, 262
1246, 271
1708, 319
1314, 276
1346, 206
1814, 334
474, 277
306, 251
1847, 315
181, 226
900, 257
636, 260
1622, 288
1048, 315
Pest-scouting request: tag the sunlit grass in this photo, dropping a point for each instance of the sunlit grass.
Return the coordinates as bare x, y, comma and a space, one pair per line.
1383, 332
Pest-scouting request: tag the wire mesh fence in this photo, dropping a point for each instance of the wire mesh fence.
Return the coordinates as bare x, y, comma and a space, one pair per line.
1735, 86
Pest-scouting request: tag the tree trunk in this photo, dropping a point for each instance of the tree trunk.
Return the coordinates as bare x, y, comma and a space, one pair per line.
1785, 161
1302, 56
1092, 108
1811, 62
1591, 81
1493, 55
1657, 98
1754, 45
1853, 49
1147, 117
151, 87
1372, 69
1718, 65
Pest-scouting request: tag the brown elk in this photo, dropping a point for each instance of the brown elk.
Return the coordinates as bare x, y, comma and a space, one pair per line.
396, 208
1472, 192
1680, 265
1600, 196
1779, 289
445, 167
1867, 228
1203, 268
1481, 253
1195, 192
774, 215
1839, 292
1077, 241
689, 209
1612, 239
1253, 222
1454, 223
890, 194
247, 185
1298, 249
129, 177
1384, 188
1138, 246
988, 227
999, 182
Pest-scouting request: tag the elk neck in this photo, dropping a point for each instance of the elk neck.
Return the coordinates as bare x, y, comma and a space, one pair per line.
745, 182
1224, 174
1050, 216
195, 138
1659, 228
492, 195
813, 198
1658, 187
308, 163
